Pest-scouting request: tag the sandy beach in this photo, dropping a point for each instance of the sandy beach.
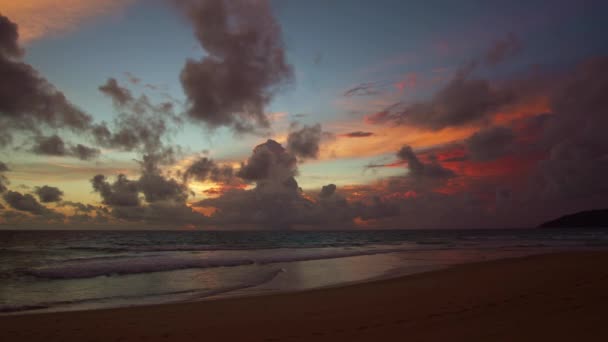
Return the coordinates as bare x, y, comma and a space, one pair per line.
548, 297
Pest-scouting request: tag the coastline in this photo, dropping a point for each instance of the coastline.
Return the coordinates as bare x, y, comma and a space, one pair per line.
557, 296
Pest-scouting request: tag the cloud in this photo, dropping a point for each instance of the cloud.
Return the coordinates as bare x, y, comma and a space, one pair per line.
245, 63
357, 134
418, 169
140, 124
3, 179
304, 142
490, 143
460, 102
269, 162
363, 89
121, 193
464, 100
28, 204
54, 146
41, 18
80, 207
276, 201
31, 102
120, 95
502, 49
575, 137
48, 194
327, 190
206, 169
164, 198
84, 152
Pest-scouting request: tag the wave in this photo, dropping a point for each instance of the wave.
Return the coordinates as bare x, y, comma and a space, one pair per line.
124, 266
185, 295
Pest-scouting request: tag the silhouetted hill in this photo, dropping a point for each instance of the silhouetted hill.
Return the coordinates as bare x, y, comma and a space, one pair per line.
591, 219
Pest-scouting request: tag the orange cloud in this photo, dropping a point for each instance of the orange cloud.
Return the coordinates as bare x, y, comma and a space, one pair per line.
41, 18
388, 139
534, 106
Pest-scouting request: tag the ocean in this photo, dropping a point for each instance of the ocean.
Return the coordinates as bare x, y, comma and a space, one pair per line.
73, 270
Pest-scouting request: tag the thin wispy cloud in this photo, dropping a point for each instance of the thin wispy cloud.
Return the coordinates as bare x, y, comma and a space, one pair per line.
38, 19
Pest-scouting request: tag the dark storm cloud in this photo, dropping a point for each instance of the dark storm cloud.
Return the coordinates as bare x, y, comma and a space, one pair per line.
9, 36
276, 202
163, 198
418, 169
122, 192
304, 142
30, 102
55, 146
28, 204
157, 187
48, 194
462, 101
327, 190
377, 209
245, 63
207, 169
490, 143
502, 49
357, 134
575, 134
269, 161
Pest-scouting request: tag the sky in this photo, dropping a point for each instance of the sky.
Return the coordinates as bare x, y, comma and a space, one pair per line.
285, 114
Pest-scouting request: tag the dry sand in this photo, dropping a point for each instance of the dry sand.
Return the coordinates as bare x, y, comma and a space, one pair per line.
558, 297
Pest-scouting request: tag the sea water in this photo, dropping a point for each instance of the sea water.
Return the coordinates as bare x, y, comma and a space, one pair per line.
73, 270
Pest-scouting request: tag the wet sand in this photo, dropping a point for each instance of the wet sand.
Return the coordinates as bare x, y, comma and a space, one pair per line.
555, 297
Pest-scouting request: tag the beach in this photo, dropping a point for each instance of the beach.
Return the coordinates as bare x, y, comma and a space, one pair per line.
554, 297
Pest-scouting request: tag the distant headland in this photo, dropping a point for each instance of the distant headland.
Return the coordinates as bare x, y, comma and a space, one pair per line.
583, 219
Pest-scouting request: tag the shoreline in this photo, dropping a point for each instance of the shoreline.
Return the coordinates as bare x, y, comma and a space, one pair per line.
558, 296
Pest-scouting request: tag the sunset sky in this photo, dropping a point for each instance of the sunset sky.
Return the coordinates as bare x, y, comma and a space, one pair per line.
366, 114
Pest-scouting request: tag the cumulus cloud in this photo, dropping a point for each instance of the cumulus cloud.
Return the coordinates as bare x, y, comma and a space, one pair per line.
276, 201
121, 193
327, 190
55, 146
269, 162
304, 142
28, 204
418, 169
152, 198
245, 63
206, 169
48, 194
31, 102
